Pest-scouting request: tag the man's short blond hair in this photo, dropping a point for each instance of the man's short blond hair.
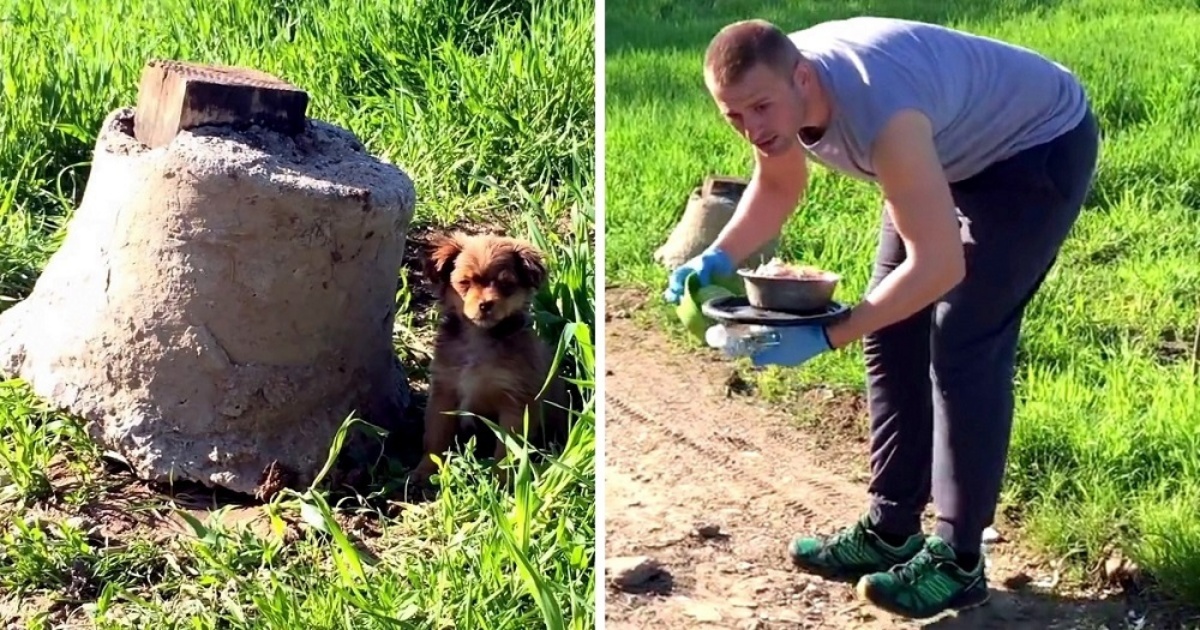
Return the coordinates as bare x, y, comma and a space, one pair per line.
740, 46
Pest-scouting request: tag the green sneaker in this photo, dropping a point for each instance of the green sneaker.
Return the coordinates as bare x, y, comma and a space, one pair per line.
927, 585
852, 552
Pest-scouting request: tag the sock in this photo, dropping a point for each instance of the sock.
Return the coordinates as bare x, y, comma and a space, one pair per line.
892, 539
966, 561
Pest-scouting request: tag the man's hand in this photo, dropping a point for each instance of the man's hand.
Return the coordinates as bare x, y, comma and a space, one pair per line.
797, 346
923, 211
707, 265
774, 191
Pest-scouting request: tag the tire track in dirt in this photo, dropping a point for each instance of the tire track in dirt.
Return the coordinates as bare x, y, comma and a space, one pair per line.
806, 484
681, 453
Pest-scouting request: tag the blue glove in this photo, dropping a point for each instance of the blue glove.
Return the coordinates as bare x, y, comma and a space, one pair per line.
797, 345
709, 263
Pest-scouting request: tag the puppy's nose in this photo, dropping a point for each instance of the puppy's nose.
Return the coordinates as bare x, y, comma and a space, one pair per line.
485, 307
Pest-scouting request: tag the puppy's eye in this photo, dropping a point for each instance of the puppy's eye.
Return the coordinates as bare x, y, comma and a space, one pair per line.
506, 283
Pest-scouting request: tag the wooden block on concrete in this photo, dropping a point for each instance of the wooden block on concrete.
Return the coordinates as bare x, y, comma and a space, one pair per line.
176, 95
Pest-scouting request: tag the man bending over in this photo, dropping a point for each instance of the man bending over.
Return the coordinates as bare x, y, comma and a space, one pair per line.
984, 153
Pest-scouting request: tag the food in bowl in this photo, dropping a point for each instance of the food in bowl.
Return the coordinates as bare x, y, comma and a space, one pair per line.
791, 288
776, 268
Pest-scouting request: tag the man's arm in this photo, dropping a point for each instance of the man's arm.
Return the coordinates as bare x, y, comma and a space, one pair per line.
922, 210
774, 191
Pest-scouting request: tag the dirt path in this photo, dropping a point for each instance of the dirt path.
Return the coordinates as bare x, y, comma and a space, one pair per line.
746, 470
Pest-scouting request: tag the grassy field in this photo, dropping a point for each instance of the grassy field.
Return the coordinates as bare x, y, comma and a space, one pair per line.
1107, 440
489, 106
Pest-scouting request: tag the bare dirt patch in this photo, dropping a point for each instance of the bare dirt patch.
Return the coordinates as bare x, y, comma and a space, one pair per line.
684, 457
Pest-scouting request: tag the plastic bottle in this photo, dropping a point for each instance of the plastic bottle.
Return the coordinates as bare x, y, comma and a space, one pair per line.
740, 340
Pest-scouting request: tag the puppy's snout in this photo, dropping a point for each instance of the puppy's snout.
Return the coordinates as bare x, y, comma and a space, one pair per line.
486, 306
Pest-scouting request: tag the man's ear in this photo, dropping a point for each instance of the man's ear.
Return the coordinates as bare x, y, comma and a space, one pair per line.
443, 250
802, 73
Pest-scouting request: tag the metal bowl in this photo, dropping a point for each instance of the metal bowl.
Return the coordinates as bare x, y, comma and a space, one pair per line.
789, 294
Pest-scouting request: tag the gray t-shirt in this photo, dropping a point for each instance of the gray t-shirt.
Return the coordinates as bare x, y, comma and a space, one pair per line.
987, 99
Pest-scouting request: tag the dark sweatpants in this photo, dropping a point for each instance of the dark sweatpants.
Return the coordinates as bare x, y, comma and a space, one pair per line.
941, 382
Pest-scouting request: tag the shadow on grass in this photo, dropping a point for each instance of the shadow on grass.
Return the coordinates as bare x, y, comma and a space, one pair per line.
1171, 181
640, 25
1018, 602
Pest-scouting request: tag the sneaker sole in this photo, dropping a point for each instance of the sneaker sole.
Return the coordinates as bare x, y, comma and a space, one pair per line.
959, 603
832, 573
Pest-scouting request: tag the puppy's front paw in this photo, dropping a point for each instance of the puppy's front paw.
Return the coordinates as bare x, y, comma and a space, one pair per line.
424, 471
502, 476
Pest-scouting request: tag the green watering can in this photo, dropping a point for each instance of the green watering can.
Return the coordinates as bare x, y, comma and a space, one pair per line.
694, 296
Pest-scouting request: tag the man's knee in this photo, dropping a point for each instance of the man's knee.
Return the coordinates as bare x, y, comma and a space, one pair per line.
905, 337
969, 341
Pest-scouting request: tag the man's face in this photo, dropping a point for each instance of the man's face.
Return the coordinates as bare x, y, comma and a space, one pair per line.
764, 107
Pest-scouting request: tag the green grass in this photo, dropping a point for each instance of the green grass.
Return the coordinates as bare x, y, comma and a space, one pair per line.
489, 106
1107, 439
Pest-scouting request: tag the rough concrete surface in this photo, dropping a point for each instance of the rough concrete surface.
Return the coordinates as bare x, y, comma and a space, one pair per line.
704, 216
223, 302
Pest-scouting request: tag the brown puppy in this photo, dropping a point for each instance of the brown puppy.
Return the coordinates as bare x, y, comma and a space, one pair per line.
487, 359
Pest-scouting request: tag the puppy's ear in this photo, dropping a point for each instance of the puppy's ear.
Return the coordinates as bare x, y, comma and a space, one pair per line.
531, 265
443, 249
